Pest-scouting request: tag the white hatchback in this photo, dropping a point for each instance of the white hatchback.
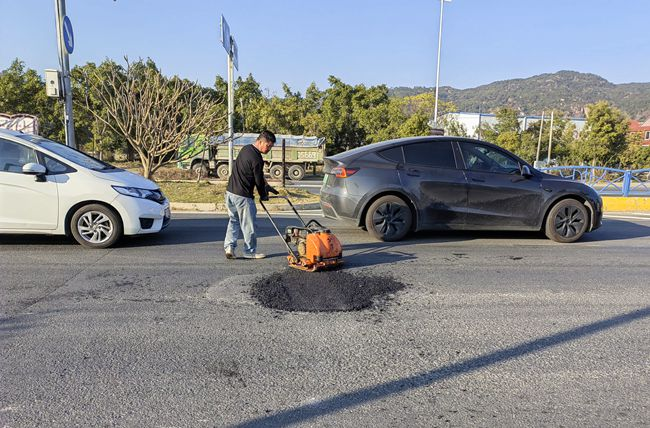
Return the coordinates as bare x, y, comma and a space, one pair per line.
49, 188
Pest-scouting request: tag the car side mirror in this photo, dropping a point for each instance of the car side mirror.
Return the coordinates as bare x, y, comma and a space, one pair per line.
525, 171
35, 169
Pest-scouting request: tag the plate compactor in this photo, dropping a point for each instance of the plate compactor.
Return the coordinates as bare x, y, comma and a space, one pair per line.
316, 247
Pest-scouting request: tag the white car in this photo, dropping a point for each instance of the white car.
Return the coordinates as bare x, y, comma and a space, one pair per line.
49, 188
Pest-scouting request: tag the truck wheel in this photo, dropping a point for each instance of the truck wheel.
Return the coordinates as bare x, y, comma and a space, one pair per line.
567, 221
95, 226
296, 172
389, 218
276, 172
202, 168
222, 171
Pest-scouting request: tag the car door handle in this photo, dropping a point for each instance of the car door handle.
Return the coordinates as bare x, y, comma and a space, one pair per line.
413, 172
478, 180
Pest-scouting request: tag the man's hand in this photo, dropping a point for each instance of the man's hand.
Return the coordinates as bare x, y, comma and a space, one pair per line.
270, 189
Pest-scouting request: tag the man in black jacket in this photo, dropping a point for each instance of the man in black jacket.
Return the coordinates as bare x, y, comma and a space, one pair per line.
247, 174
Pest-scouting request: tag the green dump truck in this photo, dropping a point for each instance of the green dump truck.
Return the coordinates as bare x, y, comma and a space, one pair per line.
210, 155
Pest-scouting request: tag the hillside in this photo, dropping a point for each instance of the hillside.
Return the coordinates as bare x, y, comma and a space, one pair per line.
568, 91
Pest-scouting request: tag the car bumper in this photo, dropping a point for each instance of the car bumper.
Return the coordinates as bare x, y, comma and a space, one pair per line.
338, 207
596, 208
142, 216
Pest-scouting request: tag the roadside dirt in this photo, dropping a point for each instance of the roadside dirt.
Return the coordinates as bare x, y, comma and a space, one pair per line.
329, 291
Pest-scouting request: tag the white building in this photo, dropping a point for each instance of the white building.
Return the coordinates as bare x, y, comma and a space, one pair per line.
471, 121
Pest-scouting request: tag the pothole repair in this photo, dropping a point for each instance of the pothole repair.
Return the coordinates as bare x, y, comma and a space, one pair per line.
328, 291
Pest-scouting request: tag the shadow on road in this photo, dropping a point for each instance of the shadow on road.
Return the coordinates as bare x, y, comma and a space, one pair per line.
308, 412
210, 228
374, 253
616, 230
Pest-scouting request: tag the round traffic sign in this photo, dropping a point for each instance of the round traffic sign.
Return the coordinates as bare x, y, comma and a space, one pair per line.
68, 35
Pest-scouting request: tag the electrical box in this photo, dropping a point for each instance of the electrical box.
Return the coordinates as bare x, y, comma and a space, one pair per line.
53, 83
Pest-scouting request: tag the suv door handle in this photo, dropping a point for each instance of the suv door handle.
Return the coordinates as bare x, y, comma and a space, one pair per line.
413, 172
478, 180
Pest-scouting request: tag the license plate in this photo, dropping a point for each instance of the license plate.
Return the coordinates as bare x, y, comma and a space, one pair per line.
325, 179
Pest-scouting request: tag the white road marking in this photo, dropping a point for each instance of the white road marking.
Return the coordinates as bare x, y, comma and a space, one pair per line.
628, 217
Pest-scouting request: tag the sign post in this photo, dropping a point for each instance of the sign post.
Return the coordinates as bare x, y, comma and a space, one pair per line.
65, 42
230, 46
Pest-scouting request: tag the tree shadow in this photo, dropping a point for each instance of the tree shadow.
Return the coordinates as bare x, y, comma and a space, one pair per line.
359, 397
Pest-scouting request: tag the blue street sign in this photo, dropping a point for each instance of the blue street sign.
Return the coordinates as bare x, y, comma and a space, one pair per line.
225, 35
68, 35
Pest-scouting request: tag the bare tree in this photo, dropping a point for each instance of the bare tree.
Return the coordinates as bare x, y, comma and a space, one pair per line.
154, 114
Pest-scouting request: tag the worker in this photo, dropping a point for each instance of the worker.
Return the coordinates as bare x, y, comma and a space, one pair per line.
247, 174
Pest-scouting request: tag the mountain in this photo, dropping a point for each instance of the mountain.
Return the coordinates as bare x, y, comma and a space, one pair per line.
568, 91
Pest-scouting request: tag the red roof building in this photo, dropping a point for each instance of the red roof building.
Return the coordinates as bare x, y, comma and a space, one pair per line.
643, 129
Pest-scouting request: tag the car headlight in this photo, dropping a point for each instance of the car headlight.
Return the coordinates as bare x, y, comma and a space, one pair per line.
138, 193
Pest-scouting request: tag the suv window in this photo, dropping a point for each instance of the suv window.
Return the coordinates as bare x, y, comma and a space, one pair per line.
13, 156
482, 158
437, 154
394, 154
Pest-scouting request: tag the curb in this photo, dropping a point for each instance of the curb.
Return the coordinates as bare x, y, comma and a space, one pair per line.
213, 207
626, 204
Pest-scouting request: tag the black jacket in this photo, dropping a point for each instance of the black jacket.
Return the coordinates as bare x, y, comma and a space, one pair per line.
248, 173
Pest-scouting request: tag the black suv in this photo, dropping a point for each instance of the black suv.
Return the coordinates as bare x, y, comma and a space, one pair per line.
420, 183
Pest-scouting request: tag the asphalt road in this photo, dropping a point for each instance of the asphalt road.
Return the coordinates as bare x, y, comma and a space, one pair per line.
493, 329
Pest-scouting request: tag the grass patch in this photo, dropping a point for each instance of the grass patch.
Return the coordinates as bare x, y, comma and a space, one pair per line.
205, 192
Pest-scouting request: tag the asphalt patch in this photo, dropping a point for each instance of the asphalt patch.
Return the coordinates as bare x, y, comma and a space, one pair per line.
328, 291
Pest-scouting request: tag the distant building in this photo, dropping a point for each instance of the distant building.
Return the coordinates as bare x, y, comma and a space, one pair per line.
471, 121
643, 129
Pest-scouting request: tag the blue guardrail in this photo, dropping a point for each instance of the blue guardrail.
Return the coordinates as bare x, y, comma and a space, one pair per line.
607, 181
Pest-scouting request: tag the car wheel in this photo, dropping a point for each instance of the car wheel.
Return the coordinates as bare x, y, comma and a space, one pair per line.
201, 168
222, 171
276, 172
296, 172
567, 221
389, 218
95, 226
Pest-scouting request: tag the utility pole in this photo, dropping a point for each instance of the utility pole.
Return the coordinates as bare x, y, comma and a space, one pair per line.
550, 140
231, 112
65, 42
230, 46
539, 140
435, 109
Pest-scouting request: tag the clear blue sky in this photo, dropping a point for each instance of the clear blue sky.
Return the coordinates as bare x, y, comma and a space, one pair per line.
359, 41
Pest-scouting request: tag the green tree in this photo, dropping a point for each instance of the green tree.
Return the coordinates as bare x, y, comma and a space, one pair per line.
23, 91
635, 156
604, 137
337, 123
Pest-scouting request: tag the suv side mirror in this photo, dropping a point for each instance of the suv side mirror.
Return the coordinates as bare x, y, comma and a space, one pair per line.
525, 171
35, 169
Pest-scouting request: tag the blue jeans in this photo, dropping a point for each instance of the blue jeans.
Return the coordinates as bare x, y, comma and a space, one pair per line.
241, 212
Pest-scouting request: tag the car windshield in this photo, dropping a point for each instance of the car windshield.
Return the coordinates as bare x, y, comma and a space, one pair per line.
68, 153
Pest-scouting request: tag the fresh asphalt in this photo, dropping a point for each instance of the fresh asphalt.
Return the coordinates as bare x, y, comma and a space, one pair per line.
494, 329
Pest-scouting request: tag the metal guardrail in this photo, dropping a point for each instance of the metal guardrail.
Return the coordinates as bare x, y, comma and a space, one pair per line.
607, 181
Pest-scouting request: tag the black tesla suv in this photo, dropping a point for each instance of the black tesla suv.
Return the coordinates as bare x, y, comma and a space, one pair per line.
421, 183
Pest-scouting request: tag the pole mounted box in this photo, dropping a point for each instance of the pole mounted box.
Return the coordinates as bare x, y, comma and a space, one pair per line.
53, 83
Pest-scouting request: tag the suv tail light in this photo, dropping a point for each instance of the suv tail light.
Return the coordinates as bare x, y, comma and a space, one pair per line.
343, 172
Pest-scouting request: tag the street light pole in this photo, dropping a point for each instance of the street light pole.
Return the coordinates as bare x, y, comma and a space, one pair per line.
65, 74
435, 110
